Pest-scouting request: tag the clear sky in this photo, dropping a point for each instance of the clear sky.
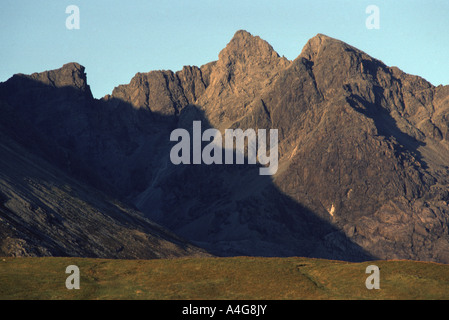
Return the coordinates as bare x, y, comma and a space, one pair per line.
117, 39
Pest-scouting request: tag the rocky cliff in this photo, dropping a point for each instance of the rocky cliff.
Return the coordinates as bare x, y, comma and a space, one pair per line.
363, 147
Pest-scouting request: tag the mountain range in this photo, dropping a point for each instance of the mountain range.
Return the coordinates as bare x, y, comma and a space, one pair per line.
363, 160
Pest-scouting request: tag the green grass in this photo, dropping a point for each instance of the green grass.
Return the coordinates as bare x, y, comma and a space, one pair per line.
220, 278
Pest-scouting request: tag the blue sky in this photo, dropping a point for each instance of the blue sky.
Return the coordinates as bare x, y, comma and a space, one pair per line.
117, 39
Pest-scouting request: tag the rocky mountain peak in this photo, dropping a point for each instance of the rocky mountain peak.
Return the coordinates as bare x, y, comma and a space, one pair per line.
245, 67
320, 43
244, 47
69, 75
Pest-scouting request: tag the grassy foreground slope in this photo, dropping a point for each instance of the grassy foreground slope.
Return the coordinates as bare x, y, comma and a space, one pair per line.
220, 278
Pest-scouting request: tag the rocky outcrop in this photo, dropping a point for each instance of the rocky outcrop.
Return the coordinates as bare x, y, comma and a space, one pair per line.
363, 167
247, 65
54, 199
360, 148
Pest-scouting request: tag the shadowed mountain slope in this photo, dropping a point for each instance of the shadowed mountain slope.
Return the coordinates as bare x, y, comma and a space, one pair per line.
44, 212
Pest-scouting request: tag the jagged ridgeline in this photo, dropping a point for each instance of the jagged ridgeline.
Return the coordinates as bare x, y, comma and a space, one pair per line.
363, 159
